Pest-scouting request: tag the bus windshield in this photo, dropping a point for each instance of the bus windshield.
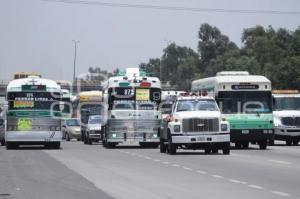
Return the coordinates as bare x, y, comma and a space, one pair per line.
197, 105
286, 103
33, 100
232, 102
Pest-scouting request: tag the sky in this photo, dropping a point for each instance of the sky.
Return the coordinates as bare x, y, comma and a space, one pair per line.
36, 36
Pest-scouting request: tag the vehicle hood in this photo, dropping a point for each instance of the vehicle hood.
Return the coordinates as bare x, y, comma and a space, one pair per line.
74, 128
289, 113
197, 114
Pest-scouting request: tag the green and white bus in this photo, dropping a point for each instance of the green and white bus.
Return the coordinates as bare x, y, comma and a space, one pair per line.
33, 115
246, 102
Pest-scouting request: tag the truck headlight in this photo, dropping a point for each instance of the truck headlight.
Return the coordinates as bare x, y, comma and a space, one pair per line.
176, 128
224, 127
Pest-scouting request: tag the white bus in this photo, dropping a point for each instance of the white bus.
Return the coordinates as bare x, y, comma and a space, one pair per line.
246, 102
133, 116
33, 115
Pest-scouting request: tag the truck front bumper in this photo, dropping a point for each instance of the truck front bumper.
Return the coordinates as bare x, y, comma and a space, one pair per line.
204, 138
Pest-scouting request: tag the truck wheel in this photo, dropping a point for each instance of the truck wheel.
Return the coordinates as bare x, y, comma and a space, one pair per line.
295, 142
263, 144
226, 149
89, 140
288, 142
214, 150
162, 146
171, 147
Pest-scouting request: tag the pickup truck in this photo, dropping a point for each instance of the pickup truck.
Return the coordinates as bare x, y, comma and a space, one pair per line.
195, 123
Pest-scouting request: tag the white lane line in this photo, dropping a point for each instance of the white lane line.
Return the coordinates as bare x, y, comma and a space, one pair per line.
166, 162
175, 165
156, 160
201, 172
234, 181
187, 168
280, 162
148, 158
281, 193
217, 176
255, 186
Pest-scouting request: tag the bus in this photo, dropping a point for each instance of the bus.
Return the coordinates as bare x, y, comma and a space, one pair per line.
86, 104
26, 74
134, 118
33, 115
246, 102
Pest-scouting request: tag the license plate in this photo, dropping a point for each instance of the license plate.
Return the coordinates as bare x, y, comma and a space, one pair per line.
245, 131
201, 138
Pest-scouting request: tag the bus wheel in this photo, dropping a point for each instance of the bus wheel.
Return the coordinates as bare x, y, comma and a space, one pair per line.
238, 145
295, 142
263, 144
245, 145
162, 146
207, 150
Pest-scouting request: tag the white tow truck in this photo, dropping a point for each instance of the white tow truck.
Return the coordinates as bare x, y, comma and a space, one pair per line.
195, 123
287, 116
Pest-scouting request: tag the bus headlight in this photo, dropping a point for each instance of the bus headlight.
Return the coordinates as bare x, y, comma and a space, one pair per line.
224, 127
176, 128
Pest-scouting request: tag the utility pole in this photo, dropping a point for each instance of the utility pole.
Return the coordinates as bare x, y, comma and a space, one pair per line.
75, 56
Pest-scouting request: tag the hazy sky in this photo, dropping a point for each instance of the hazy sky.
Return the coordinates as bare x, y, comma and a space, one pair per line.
37, 35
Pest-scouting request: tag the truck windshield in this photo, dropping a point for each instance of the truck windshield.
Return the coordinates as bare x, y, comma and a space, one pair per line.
286, 103
197, 105
95, 121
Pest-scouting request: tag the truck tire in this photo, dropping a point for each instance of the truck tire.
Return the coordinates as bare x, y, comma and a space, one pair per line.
214, 150
288, 142
162, 146
207, 150
263, 144
171, 147
226, 149
238, 145
271, 142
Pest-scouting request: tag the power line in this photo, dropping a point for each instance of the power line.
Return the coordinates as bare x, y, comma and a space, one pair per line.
173, 8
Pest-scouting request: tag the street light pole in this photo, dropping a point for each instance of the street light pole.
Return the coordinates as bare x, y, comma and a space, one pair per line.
75, 56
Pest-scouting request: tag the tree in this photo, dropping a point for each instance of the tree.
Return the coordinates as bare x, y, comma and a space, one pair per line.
152, 68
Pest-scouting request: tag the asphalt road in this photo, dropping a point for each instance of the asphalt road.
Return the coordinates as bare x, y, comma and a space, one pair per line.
84, 171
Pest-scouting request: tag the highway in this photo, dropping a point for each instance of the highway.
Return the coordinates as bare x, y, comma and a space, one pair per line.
91, 171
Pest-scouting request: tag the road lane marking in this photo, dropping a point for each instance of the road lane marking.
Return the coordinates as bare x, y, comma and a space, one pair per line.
281, 193
280, 162
175, 165
217, 176
166, 162
255, 186
187, 168
148, 158
201, 172
234, 181
156, 160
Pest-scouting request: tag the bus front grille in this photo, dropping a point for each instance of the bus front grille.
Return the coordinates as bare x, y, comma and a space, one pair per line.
291, 121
